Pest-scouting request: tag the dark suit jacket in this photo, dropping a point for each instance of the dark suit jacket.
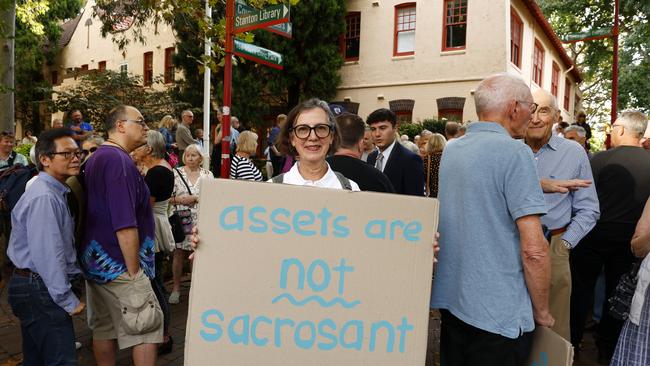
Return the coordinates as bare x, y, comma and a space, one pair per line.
404, 169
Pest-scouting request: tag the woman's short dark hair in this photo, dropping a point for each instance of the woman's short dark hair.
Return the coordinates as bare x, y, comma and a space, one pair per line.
46, 143
285, 131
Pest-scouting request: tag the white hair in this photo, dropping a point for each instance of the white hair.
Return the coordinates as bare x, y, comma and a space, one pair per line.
633, 120
496, 91
579, 130
411, 146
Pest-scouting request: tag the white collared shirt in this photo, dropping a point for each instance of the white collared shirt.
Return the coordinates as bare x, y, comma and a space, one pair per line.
386, 154
329, 180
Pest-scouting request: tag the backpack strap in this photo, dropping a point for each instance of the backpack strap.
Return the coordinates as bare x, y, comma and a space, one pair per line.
345, 182
278, 178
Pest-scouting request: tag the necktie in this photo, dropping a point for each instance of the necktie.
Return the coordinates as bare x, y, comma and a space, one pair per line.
379, 164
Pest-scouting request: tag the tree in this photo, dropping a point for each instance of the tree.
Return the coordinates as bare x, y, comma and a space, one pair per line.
311, 58
594, 58
98, 92
31, 29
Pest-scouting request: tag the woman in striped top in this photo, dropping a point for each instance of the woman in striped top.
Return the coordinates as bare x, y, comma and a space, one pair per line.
241, 167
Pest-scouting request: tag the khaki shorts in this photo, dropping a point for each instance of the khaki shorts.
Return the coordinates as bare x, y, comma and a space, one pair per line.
104, 312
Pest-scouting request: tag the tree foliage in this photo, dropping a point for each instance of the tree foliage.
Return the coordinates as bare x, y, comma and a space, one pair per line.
38, 31
311, 58
98, 92
594, 58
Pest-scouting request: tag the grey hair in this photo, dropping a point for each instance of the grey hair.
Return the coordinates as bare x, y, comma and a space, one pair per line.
496, 91
156, 142
97, 140
410, 146
183, 113
426, 133
579, 130
551, 97
634, 120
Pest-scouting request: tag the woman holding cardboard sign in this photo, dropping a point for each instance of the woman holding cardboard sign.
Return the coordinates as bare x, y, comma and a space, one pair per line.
633, 348
309, 135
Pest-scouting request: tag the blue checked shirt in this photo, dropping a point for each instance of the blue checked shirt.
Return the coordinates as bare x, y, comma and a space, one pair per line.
565, 159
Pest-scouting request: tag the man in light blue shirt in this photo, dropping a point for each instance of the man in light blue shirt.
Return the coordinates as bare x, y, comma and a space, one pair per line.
570, 215
42, 249
493, 274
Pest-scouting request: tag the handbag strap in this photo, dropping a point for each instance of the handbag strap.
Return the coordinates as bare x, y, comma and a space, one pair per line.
184, 182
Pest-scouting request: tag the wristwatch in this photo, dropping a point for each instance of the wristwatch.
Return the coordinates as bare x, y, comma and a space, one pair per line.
566, 244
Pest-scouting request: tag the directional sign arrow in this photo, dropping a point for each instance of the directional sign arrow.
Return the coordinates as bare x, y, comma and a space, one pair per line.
259, 18
283, 29
258, 54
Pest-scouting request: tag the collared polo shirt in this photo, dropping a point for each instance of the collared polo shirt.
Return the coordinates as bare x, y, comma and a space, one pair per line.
329, 180
487, 181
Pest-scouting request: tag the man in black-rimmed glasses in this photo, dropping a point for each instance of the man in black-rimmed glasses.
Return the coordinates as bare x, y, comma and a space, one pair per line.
42, 249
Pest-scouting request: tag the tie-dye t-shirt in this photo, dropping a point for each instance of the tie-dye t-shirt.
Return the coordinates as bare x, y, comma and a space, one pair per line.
117, 198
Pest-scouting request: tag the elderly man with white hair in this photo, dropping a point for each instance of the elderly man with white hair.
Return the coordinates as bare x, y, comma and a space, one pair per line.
571, 215
492, 279
577, 134
622, 179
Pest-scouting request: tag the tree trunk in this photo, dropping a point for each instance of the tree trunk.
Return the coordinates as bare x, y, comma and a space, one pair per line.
7, 56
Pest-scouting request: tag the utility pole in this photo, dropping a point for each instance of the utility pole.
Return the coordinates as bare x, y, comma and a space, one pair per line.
206, 92
615, 31
7, 67
227, 91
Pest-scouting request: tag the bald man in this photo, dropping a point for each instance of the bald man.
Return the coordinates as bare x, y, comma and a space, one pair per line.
570, 215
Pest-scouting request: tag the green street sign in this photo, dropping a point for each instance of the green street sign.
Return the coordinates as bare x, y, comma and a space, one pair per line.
283, 29
258, 54
246, 20
572, 37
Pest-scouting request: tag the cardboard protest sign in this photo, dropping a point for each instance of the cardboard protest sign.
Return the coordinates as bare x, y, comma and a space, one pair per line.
550, 349
289, 275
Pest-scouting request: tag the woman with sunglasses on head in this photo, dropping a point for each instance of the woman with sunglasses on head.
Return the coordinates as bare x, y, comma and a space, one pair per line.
310, 135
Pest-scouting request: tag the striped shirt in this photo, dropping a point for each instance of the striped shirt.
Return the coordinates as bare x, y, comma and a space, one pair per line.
243, 168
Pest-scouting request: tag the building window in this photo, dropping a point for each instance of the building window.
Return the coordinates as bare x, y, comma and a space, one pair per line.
169, 65
538, 63
351, 39
404, 42
101, 65
403, 109
124, 68
567, 94
54, 76
147, 74
451, 114
516, 35
555, 79
84, 67
454, 28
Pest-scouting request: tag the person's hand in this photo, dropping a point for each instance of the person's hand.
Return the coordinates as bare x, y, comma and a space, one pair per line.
78, 309
174, 145
75, 128
544, 318
436, 247
563, 186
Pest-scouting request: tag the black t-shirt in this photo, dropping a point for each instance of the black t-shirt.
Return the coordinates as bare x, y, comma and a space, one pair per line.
160, 181
366, 176
622, 179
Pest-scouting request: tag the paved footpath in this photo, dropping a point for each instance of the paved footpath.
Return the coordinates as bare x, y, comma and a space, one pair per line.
10, 338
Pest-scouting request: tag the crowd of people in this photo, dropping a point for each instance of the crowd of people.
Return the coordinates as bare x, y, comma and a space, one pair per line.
528, 221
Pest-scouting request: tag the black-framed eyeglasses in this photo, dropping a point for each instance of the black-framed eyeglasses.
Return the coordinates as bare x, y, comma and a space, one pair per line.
141, 122
89, 151
533, 105
321, 130
67, 155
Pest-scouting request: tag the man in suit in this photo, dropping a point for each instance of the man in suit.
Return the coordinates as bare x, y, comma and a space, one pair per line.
347, 158
404, 168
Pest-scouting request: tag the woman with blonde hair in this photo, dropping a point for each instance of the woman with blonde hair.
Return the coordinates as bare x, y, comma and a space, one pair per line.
433, 148
185, 199
241, 167
166, 126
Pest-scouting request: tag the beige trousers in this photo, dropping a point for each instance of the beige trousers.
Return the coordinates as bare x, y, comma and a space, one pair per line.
560, 294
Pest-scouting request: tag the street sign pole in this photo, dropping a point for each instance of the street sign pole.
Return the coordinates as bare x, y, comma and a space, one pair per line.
227, 90
615, 66
206, 93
